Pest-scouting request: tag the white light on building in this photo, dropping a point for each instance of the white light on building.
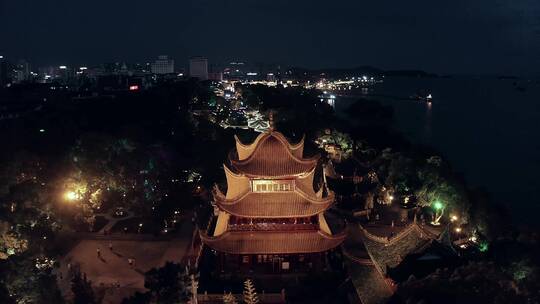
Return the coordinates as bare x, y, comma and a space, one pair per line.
163, 65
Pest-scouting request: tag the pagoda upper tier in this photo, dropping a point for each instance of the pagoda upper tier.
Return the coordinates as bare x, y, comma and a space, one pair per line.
279, 183
271, 155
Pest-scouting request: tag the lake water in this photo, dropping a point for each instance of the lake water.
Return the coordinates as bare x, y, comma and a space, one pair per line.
486, 127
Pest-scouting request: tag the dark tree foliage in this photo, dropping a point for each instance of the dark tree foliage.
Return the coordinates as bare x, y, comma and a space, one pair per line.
82, 289
5, 298
167, 284
138, 298
491, 219
477, 282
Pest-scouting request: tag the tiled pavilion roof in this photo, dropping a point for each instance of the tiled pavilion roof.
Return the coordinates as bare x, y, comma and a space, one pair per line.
271, 155
273, 242
285, 204
388, 253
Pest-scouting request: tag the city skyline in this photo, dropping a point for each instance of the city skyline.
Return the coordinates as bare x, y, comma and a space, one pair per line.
269, 152
461, 37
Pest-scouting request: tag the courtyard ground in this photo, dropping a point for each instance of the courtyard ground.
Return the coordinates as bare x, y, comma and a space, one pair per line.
112, 269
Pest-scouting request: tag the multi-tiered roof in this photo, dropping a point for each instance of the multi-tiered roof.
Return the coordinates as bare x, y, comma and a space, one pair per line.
269, 180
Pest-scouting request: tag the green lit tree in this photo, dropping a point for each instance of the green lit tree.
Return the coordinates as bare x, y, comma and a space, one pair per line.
441, 190
438, 208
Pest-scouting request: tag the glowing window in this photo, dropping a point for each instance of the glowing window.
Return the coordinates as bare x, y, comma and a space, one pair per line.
260, 185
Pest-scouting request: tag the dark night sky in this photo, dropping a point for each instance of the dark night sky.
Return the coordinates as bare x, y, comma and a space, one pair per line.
458, 36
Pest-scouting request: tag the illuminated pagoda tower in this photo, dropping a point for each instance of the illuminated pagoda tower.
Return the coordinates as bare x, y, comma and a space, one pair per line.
271, 218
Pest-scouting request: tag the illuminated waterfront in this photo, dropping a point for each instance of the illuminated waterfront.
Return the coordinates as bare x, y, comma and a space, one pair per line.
479, 124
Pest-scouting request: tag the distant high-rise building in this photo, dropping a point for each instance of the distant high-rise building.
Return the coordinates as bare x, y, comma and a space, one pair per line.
163, 65
3, 72
198, 68
22, 71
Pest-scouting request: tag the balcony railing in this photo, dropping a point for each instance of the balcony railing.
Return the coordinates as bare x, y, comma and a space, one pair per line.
272, 227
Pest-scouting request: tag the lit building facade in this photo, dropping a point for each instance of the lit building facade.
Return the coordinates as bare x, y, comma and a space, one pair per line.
163, 65
271, 219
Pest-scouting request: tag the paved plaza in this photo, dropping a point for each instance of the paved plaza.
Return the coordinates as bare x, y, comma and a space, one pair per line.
111, 272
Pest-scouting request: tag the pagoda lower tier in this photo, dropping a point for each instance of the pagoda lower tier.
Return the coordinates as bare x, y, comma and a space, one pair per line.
278, 245
272, 252
273, 242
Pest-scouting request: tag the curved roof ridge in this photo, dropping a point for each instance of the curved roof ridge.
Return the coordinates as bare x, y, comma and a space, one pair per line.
400, 235
241, 174
271, 133
298, 144
338, 236
231, 172
247, 146
430, 234
308, 173
217, 192
271, 242
283, 141
244, 151
373, 237
403, 233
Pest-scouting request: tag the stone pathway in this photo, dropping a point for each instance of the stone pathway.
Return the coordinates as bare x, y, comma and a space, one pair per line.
113, 220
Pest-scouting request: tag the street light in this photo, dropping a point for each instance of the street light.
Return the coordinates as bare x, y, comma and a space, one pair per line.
438, 205
71, 196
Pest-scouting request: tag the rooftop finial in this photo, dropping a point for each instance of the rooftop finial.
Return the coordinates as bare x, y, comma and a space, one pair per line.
271, 120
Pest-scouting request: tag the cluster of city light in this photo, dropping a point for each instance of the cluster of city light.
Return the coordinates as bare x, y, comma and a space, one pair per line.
347, 84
